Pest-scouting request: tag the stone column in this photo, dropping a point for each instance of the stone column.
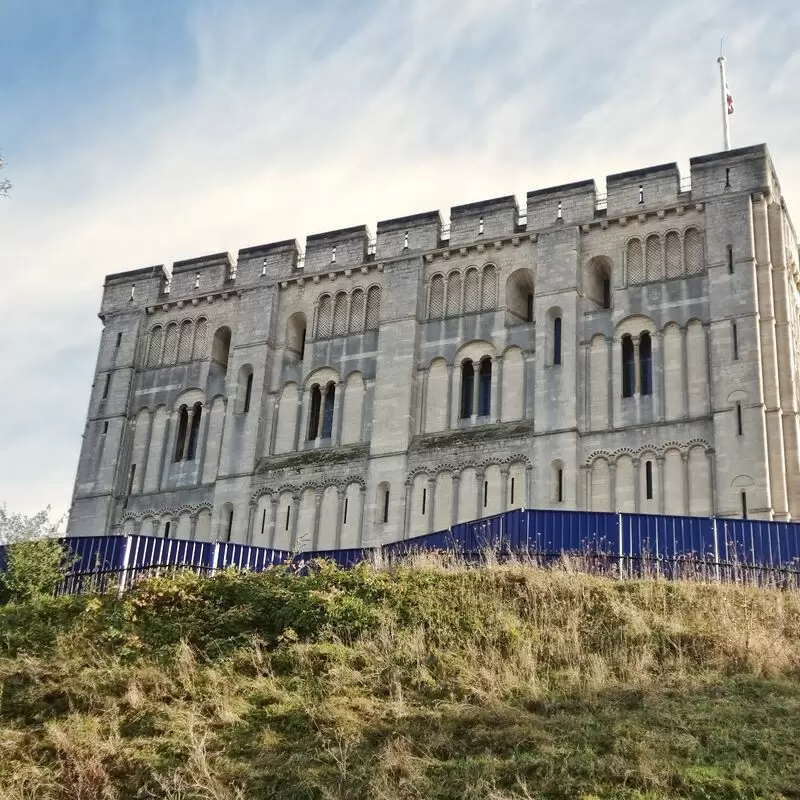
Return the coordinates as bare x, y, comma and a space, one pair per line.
528, 485
661, 488
687, 508
450, 420
424, 375
273, 432
430, 501
339, 517
454, 499
299, 434
317, 504
658, 361
612, 485
269, 527
407, 510
637, 485
480, 476
504, 487
294, 514
336, 433
496, 410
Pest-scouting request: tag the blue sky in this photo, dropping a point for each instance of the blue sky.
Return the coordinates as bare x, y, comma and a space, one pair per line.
142, 131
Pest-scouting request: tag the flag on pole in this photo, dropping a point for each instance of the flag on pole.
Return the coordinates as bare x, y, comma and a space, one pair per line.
728, 98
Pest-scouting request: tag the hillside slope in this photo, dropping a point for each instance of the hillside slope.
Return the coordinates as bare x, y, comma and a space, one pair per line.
421, 682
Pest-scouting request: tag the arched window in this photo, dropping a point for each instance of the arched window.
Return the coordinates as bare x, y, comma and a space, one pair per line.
313, 414
472, 291
485, 388
156, 343
327, 417
227, 520
248, 391
453, 294
556, 340
557, 482
340, 314
628, 367
357, 311
382, 510
645, 364
489, 288
654, 258
467, 388
185, 342
200, 339
180, 439
693, 251
324, 317
171, 343
597, 284
648, 479
529, 307
519, 294
167, 527
373, 316
672, 252
194, 431
296, 336
221, 347
634, 261
436, 302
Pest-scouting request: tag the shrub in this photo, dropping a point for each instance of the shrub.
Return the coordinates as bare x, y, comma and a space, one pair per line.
33, 569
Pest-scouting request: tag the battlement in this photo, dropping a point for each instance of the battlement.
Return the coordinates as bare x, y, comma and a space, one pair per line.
645, 190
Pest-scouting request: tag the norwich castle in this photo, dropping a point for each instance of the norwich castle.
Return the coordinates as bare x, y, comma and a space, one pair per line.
634, 349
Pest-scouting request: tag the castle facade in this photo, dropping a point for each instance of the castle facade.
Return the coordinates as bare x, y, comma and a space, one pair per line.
633, 351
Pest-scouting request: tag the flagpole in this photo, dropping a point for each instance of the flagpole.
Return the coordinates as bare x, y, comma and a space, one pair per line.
723, 88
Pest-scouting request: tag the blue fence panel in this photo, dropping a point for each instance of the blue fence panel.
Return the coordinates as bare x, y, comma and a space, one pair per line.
551, 533
515, 530
342, 558
95, 553
151, 551
245, 556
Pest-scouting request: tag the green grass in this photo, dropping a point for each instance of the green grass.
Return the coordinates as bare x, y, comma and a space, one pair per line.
421, 682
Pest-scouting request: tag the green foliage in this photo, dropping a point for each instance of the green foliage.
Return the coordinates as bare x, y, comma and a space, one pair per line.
33, 570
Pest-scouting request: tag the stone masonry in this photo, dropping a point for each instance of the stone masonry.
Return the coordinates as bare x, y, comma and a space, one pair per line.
633, 351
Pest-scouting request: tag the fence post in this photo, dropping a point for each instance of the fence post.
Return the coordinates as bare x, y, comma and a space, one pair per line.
620, 545
126, 557
215, 558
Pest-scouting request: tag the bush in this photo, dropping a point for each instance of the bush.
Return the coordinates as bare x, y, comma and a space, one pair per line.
33, 569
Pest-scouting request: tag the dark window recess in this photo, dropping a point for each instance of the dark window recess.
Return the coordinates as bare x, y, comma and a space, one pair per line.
559, 212
641, 195
302, 344
344, 516
263, 520
628, 367
230, 526
529, 316
386, 506
485, 388
560, 485
288, 514
730, 260
194, 432
105, 428
512, 491
424, 498
606, 292
180, 439
106, 385
248, 392
744, 505
727, 177
648, 479
735, 335
646, 363
480, 227
131, 476
166, 530
119, 340
485, 493
739, 424
313, 415
327, 417
467, 387
557, 341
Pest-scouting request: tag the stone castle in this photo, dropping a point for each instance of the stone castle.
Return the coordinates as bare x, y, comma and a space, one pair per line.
636, 350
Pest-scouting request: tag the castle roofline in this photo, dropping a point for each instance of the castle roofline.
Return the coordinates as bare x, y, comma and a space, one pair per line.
751, 150
564, 188
201, 261
356, 230
411, 221
509, 201
135, 274
266, 249
640, 174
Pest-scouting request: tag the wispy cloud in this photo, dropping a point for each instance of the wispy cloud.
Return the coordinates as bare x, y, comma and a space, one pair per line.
268, 124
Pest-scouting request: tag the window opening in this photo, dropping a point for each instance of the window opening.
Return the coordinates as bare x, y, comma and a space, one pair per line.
628, 367
119, 340
264, 269
485, 493
131, 476
166, 530
263, 520
467, 386
194, 432
606, 292
405, 241
133, 292
727, 177
180, 439
106, 385
730, 260
313, 415
197, 281
424, 498
646, 363
480, 227
230, 526
735, 333
248, 392
105, 428
559, 212
557, 341
744, 505
648, 479
302, 344
344, 518
512, 491
529, 314
739, 426
327, 417
560, 484
641, 195
386, 506
333, 255
485, 388
288, 513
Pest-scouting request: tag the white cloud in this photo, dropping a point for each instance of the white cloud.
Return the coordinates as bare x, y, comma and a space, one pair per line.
296, 125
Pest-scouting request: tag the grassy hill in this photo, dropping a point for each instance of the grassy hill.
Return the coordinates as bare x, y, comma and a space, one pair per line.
422, 682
